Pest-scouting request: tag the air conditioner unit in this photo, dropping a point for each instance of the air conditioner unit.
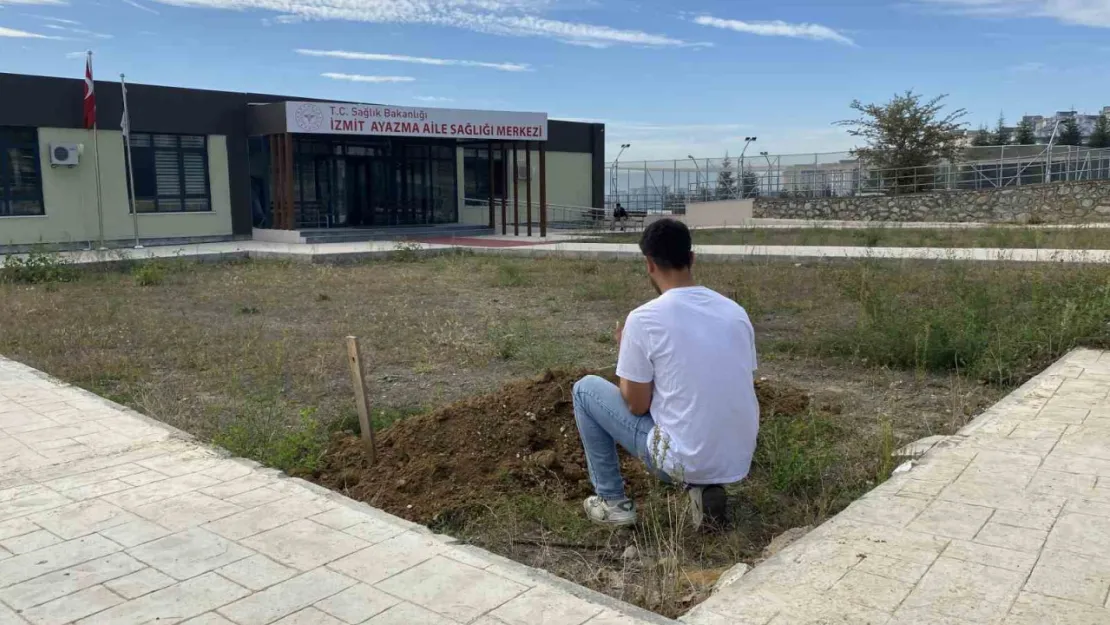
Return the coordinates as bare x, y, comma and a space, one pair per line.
64, 155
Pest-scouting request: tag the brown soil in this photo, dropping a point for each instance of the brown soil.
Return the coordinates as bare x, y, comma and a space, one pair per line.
433, 466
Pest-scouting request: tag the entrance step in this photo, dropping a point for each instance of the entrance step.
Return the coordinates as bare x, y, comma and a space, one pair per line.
352, 235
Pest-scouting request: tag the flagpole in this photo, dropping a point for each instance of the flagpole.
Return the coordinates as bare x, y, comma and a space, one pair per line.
96, 161
126, 127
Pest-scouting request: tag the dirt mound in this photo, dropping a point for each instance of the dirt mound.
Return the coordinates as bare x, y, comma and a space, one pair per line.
473, 451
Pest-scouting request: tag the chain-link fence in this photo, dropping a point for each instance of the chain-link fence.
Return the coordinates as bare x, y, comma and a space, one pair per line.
667, 186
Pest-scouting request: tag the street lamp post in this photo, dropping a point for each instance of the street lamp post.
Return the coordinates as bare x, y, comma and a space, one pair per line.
614, 178
747, 141
767, 157
697, 170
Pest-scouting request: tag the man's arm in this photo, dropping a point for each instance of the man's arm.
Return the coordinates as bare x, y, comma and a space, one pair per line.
634, 363
637, 395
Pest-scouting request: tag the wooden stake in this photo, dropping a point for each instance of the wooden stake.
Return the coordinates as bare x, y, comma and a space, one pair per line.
354, 358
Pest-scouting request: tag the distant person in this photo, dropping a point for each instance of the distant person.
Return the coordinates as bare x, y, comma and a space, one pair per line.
621, 215
686, 404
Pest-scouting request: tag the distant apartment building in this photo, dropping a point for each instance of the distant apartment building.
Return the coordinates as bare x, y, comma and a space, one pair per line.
1043, 126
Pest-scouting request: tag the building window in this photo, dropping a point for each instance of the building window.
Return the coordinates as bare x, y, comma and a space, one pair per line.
170, 173
20, 173
476, 173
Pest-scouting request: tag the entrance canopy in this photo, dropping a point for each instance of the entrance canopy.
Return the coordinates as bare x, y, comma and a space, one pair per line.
344, 118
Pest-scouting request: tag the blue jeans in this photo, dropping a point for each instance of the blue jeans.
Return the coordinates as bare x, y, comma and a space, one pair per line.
604, 421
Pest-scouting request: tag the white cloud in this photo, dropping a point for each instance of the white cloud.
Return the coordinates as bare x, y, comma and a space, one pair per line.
515, 18
1079, 12
420, 60
57, 20
141, 7
776, 28
78, 31
432, 98
22, 34
365, 78
35, 2
76, 55
1032, 67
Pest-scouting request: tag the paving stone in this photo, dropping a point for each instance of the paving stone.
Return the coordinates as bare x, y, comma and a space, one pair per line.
53, 558
377, 562
287, 597
1010, 537
357, 604
16, 527
96, 490
304, 544
236, 486
143, 478
341, 518
210, 618
1009, 559
178, 602
408, 614
30, 542
901, 570
25, 500
157, 491
925, 616
1064, 411
139, 583
966, 590
227, 470
896, 512
190, 461
451, 588
256, 572
1080, 533
872, 591
373, 532
268, 516
39, 590
1072, 576
955, 520
1029, 521
309, 616
9, 617
189, 553
72, 607
185, 511
1060, 483
1093, 507
93, 477
256, 497
547, 606
1033, 609
82, 518
135, 533
609, 617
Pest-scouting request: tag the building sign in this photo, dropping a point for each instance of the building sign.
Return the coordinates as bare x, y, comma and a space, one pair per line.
404, 121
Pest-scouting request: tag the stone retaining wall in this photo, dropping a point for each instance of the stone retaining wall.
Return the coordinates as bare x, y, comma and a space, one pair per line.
1058, 202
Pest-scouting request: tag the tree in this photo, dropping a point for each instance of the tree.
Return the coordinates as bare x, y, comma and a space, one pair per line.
1100, 136
1025, 133
1001, 132
726, 179
749, 184
1070, 134
906, 132
982, 137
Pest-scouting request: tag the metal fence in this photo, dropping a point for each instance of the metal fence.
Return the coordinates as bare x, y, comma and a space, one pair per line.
667, 186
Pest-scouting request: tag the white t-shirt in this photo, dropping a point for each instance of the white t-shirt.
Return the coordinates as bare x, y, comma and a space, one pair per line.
698, 347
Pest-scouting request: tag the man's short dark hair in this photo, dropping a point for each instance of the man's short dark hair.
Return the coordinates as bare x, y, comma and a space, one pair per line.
667, 243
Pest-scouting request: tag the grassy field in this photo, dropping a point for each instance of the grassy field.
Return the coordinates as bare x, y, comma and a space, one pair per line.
251, 355
1006, 237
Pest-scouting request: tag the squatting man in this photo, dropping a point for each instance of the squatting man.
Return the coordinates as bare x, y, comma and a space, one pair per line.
686, 403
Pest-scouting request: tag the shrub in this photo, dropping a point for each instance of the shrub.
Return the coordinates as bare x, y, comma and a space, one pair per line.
261, 434
37, 267
149, 274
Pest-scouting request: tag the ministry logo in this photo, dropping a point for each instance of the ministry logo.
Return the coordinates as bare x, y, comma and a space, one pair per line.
310, 118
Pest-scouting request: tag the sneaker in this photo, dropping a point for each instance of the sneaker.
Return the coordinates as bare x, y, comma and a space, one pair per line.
708, 503
610, 512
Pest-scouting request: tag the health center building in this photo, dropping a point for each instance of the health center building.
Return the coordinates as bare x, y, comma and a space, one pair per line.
215, 165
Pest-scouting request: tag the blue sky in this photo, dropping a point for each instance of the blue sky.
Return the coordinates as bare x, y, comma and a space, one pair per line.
671, 77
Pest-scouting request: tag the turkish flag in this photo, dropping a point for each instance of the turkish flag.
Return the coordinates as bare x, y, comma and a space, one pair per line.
90, 95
